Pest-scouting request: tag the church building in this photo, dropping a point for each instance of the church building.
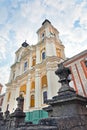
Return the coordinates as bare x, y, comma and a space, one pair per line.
33, 73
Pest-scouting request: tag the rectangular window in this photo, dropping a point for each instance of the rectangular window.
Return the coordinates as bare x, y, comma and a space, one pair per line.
25, 65
44, 97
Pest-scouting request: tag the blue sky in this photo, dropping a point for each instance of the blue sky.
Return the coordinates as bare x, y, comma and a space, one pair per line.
20, 20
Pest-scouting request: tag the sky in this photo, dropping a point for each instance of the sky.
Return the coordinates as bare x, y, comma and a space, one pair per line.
20, 20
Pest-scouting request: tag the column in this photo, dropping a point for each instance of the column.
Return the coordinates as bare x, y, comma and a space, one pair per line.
28, 86
38, 55
53, 85
30, 61
16, 95
12, 99
4, 105
21, 67
37, 90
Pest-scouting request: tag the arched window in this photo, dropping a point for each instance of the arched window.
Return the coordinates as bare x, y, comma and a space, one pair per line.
43, 55
23, 88
32, 85
44, 81
32, 101
44, 96
58, 52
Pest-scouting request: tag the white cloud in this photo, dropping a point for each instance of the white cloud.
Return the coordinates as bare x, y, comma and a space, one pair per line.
2, 49
4, 76
3, 14
25, 17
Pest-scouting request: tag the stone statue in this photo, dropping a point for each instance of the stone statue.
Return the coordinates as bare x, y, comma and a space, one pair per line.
20, 101
63, 73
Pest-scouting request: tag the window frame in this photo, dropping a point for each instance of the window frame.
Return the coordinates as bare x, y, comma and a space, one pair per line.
43, 55
44, 97
25, 65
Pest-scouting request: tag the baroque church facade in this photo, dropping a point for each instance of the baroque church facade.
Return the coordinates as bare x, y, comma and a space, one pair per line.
33, 73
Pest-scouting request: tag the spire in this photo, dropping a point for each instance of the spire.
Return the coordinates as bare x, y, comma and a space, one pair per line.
46, 20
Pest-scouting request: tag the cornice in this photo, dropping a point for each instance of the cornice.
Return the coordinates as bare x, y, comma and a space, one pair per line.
76, 57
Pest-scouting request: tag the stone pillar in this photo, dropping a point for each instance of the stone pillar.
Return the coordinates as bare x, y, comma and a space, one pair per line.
53, 85
17, 90
38, 55
28, 93
4, 105
21, 67
37, 90
30, 61
12, 99
18, 116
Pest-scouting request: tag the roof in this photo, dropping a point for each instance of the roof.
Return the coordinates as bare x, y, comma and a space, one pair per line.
81, 54
46, 20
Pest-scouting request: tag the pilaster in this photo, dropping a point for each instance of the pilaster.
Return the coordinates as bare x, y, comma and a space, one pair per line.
53, 85
28, 86
37, 90
38, 55
30, 61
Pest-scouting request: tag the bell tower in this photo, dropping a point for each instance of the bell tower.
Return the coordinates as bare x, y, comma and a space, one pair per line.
47, 30
49, 36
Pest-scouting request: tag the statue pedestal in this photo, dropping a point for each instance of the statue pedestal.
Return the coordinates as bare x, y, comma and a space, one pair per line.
18, 116
67, 109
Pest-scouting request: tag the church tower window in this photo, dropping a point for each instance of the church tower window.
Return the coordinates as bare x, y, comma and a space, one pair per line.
43, 55
43, 35
25, 66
